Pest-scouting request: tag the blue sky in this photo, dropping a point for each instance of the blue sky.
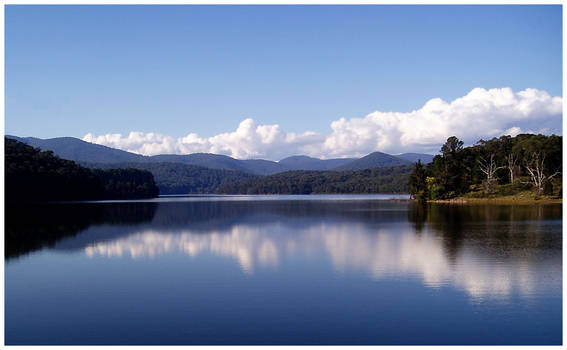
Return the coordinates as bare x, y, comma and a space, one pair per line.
177, 70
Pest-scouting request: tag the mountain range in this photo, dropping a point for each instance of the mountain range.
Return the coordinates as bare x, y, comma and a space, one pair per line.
205, 173
84, 152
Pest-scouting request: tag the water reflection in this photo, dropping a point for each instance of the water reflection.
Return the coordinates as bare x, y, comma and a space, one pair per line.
31, 227
385, 253
247, 245
487, 251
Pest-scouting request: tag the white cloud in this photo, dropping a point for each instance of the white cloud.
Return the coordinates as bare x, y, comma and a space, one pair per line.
479, 114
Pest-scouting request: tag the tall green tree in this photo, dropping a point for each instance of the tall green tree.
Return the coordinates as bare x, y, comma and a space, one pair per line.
451, 166
417, 184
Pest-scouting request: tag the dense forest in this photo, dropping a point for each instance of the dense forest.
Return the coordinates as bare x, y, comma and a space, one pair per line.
31, 174
376, 180
177, 178
500, 166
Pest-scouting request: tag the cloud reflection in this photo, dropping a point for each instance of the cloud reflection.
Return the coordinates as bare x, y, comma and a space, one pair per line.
393, 252
245, 244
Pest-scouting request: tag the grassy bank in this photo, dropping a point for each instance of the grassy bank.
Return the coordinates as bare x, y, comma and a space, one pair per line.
505, 194
501, 200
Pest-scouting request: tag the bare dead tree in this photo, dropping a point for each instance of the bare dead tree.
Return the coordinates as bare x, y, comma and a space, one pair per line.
512, 160
489, 168
535, 167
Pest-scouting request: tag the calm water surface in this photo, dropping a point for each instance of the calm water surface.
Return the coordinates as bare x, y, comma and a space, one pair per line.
282, 270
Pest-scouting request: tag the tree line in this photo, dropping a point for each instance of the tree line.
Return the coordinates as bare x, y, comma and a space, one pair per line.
176, 178
376, 180
512, 164
31, 174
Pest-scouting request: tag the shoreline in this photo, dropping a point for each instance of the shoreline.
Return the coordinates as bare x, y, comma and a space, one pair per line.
498, 200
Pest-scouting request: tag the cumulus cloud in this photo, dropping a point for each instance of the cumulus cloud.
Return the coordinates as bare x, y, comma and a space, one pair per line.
248, 141
479, 114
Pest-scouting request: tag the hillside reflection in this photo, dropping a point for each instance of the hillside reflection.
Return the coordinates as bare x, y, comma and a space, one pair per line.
487, 251
30, 227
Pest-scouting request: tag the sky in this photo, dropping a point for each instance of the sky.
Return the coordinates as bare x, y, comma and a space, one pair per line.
274, 81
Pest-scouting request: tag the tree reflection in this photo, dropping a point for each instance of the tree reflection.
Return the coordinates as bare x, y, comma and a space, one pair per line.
499, 227
33, 226
485, 250
448, 220
417, 215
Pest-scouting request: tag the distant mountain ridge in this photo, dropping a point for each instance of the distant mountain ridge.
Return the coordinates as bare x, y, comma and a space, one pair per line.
81, 151
84, 152
370, 161
75, 149
414, 157
309, 163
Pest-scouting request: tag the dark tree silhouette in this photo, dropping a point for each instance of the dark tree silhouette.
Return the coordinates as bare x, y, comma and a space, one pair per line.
417, 184
32, 175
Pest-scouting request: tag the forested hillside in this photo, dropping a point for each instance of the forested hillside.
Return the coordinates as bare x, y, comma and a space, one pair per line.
415, 157
77, 150
377, 180
34, 175
310, 163
373, 160
500, 166
177, 178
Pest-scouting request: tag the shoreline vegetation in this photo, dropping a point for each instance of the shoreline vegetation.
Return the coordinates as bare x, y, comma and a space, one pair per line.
525, 169
32, 175
520, 197
507, 200
367, 181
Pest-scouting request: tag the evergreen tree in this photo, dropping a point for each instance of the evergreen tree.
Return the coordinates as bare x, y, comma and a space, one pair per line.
417, 185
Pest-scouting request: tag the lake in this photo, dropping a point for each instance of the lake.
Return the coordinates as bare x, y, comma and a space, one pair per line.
283, 270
